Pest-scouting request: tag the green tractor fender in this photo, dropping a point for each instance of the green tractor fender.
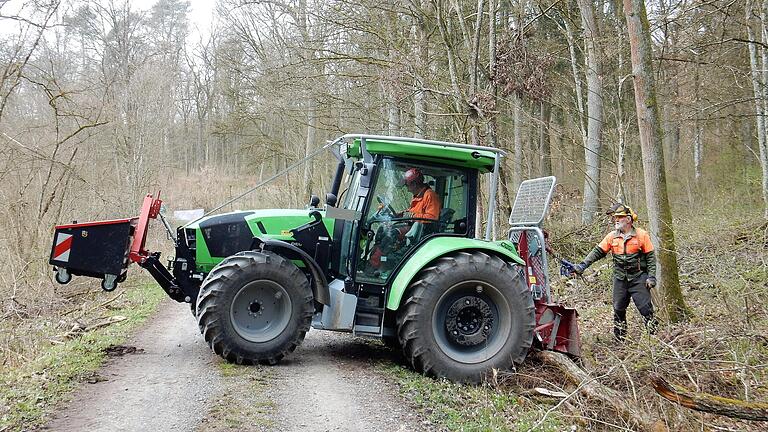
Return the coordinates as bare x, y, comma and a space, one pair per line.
320, 290
437, 247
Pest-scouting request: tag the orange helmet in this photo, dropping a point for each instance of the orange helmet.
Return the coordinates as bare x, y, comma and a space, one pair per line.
413, 175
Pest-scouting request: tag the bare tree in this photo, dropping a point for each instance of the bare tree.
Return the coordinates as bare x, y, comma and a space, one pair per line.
594, 112
758, 86
23, 45
649, 126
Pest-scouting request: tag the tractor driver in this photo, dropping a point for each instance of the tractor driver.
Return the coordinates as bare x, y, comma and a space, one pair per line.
425, 204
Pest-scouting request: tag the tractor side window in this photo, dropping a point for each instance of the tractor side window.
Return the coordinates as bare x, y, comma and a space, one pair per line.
455, 202
409, 202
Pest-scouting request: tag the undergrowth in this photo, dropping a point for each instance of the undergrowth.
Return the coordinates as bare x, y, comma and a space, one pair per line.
721, 350
457, 407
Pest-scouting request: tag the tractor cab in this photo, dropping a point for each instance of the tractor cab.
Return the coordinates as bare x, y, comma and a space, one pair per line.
397, 199
393, 217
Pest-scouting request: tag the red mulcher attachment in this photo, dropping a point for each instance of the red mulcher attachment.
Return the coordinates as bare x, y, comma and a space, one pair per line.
102, 249
557, 326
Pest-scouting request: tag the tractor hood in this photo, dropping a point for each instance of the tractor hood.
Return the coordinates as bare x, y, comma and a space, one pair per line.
223, 235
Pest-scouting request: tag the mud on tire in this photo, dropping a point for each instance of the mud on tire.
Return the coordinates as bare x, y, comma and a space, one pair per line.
255, 307
466, 313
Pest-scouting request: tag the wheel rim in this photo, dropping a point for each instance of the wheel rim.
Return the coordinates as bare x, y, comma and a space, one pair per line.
471, 321
260, 311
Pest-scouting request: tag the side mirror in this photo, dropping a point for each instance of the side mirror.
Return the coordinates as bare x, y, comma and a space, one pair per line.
330, 199
314, 201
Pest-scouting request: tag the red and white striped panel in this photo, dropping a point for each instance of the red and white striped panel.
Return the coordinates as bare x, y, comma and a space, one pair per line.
62, 248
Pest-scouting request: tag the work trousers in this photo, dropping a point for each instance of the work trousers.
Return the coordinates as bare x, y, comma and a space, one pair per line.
623, 291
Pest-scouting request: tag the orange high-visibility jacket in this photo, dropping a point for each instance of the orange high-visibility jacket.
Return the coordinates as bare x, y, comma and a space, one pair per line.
425, 205
632, 255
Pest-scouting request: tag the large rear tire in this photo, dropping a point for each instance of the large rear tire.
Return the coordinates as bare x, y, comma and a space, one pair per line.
255, 307
464, 315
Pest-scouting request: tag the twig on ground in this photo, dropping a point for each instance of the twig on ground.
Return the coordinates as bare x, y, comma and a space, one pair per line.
100, 305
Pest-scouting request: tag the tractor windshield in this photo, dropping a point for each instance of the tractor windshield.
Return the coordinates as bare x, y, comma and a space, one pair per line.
410, 201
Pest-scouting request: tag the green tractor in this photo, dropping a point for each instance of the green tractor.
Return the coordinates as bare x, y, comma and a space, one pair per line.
393, 254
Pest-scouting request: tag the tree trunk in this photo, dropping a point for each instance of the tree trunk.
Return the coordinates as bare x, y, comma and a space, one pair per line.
590, 387
517, 173
594, 114
422, 53
501, 210
757, 88
545, 152
491, 126
764, 145
698, 147
473, 78
445, 32
576, 81
393, 105
620, 192
309, 146
657, 200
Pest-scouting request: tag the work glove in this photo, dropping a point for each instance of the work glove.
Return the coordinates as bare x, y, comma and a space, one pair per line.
579, 268
650, 282
566, 268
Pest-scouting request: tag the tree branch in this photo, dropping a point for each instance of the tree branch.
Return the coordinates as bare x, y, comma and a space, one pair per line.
705, 402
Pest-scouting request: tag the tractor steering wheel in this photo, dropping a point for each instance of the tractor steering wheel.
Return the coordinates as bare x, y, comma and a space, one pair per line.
386, 211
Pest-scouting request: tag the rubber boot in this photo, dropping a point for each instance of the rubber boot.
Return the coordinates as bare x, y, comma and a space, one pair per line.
620, 325
651, 323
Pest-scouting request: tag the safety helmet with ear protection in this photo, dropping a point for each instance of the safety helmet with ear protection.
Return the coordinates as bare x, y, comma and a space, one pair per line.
620, 209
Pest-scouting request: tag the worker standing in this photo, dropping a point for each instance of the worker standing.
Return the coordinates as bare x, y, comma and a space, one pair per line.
634, 268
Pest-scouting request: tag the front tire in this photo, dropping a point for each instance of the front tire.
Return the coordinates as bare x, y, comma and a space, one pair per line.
464, 315
255, 307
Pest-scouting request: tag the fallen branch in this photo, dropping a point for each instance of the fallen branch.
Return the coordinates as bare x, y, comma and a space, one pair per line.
108, 321
708, 403
591, 388
95, 307
79, 329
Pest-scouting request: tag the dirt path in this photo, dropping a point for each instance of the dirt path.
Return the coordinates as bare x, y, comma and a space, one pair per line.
161, 388
333, 378
177, 384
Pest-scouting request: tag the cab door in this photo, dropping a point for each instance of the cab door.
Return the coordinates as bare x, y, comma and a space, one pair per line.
355, 191
392, 227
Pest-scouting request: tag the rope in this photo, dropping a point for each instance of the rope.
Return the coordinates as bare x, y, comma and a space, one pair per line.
273, 177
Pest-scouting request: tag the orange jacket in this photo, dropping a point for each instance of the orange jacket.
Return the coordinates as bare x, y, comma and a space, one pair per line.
632, 255
639, 241
425, 205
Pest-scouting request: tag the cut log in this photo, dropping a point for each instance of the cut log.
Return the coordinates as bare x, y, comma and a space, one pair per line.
589, 387
708, 403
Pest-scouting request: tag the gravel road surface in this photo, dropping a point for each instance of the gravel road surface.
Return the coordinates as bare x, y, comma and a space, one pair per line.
173, 382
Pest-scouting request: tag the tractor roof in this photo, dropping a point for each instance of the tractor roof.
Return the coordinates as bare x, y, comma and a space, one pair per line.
456, 154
